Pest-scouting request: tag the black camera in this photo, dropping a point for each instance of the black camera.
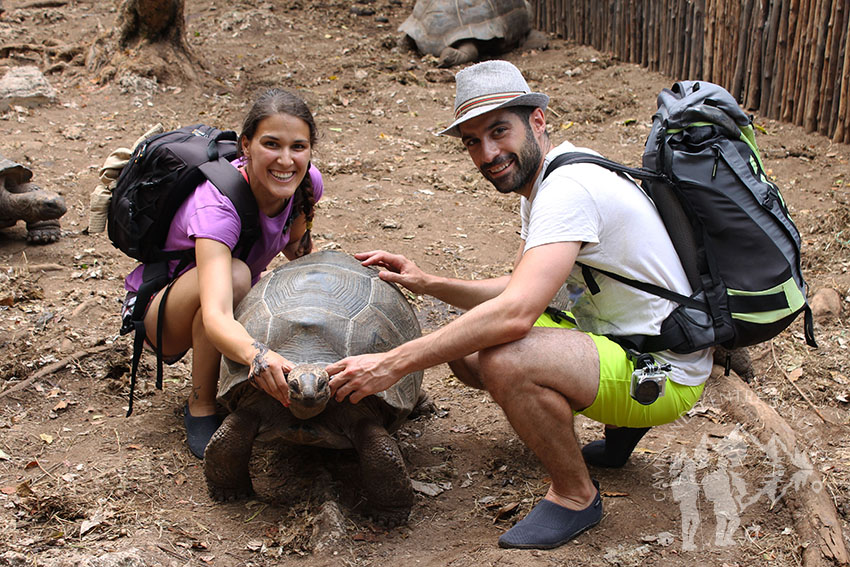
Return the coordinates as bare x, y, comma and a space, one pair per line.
649, 380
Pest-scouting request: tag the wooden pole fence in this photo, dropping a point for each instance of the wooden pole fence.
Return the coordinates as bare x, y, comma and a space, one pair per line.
786, 59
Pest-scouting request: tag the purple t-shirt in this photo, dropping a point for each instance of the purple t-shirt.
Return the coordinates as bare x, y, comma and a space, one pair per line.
207, 213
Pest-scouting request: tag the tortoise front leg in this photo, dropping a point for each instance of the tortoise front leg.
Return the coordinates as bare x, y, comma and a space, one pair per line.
228, 455
388, 489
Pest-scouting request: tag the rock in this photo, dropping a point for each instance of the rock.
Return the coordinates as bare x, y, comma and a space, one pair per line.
13, 559
626, 557
439, 76
826, 304
129, 558
25, 86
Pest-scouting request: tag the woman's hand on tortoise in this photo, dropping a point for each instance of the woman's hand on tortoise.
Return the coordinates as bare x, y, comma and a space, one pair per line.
268, 372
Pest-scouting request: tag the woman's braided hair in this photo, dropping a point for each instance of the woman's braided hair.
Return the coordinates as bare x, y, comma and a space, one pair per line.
278, 101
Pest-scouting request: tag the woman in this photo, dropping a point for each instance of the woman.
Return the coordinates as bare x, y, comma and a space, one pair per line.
275, 149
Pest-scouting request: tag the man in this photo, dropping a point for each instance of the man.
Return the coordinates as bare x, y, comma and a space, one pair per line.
539, 369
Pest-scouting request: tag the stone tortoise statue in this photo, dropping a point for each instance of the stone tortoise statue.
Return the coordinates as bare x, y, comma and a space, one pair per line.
20, 199
314, 311
459, 31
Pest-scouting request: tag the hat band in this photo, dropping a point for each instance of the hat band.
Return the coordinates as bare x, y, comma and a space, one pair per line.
486, 100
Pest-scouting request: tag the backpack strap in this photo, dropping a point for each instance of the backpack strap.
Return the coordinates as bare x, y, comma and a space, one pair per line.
232, 184
659, 189
643, 174
675, 220
569, 158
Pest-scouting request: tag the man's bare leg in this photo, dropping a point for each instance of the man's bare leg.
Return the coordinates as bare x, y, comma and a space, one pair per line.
539, 381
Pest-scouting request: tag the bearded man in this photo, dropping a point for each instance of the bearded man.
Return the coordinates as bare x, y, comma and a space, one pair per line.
543, 367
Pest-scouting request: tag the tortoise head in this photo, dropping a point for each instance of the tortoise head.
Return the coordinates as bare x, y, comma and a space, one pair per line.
309, 390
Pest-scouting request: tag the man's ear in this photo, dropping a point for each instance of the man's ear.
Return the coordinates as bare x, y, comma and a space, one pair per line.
537, 119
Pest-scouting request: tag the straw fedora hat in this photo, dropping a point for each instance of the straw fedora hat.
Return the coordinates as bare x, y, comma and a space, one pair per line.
487, 86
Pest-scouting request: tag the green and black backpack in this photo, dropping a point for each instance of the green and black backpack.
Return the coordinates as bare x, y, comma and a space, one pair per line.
727, 220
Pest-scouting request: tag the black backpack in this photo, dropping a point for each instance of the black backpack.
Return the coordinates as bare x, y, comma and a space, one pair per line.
726, 219
162, 172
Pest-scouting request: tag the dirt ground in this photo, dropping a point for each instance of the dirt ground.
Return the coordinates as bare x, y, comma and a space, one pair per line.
79, 481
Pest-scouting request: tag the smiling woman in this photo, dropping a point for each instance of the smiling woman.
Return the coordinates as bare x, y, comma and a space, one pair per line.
275, 146
277, 157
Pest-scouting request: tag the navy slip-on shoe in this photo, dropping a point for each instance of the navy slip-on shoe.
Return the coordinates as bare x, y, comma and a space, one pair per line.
199, 431
549, 525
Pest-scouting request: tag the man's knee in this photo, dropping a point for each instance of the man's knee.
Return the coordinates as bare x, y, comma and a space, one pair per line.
466, 370
498, 370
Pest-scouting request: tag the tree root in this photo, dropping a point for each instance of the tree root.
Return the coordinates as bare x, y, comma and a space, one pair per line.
51, 368
815, 518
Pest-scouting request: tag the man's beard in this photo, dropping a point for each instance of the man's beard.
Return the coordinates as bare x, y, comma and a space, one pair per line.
526, 162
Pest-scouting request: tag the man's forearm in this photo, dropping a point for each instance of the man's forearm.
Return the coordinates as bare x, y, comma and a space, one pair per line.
465, 294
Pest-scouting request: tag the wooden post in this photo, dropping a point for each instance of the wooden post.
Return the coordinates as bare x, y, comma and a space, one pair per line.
830, 62
708, 43
741, 62
754, 62
768, 70
842, 125
792, 64
836, 121
816, 63
807, 44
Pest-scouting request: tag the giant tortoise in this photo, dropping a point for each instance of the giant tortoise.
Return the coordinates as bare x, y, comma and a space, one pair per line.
20, 199
316, 310
457, 31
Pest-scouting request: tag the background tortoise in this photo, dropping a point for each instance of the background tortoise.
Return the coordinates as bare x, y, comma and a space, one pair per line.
22, 200
314, 311
457, 31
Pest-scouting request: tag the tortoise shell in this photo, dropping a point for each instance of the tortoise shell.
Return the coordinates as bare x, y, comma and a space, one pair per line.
437, 24
323, 307
14, 171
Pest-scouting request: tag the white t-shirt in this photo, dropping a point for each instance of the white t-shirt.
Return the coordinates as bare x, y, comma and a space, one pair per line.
622, 233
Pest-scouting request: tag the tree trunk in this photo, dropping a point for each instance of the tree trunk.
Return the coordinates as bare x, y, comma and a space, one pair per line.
151, 21
148, 40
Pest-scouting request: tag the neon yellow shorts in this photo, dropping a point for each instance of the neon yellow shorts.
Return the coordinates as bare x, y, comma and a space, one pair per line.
613, 404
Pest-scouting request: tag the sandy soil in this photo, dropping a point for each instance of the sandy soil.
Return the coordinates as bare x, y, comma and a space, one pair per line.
78, 480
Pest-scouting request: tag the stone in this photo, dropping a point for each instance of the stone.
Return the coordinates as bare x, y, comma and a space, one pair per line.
25, 86
826, 304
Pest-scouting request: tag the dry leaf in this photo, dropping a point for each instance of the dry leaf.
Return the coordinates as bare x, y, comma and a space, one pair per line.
61, 405
46, 438
795, 374
426, 488
89, 525
506, 511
